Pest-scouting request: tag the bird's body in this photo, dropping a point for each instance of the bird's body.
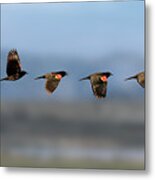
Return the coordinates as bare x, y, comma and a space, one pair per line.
140, 77
99, 83
52, 80
13, 68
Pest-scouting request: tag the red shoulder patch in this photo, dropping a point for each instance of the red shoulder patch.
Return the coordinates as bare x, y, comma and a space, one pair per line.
104, 78
58, 76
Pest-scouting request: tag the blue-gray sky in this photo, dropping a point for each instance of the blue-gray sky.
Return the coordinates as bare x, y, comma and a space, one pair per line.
102, 35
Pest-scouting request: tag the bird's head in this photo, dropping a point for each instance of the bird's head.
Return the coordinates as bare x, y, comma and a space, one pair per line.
62, 73
23, 73
107, 74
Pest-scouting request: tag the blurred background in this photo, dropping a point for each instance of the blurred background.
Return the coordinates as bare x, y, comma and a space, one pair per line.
71, 128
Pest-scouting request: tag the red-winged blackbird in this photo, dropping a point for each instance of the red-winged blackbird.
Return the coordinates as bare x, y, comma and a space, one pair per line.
13, 69
99, 83
52, 80
140, 77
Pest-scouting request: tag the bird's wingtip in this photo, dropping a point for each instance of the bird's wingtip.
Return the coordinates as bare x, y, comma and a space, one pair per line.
48, 92
133, 77
85, 78
40, 77
126, 79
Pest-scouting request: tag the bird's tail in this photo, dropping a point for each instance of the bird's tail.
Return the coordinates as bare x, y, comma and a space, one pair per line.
40, 77
132, 77
4, 79
85, 78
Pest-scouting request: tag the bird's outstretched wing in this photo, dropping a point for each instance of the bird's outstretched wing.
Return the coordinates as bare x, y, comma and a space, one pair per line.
51, 85
13, 63
100, 90
141, 82
141, 79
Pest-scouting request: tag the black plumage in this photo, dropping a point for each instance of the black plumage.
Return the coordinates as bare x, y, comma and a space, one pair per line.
99, 82
140, 77
13, 68
52, 80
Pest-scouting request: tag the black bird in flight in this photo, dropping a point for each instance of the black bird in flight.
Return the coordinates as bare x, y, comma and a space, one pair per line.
13, 69
140, 77
99, 83
52, 80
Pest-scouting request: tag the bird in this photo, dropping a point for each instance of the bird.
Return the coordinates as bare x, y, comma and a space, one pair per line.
52, 80
13, 69
140, 77
99, 83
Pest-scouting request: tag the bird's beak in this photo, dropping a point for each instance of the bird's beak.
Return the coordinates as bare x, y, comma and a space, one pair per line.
66, 74
111, 74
